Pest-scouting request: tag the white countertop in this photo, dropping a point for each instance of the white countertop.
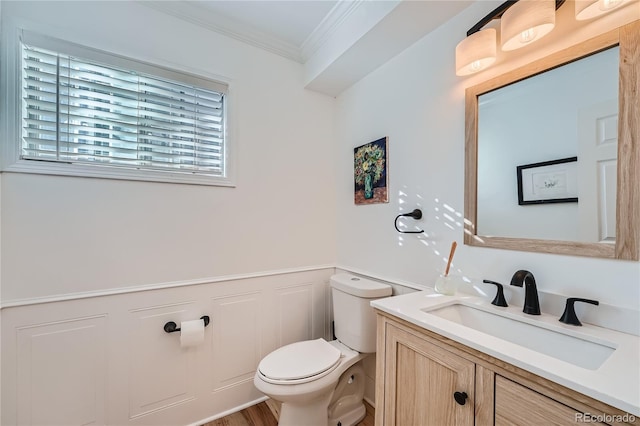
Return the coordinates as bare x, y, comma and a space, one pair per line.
616, 382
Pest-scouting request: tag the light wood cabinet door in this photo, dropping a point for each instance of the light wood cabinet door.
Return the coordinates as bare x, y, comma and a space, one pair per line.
420, 379
518, 405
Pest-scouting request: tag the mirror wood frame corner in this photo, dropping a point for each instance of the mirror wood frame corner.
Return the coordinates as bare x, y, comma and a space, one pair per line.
627, 244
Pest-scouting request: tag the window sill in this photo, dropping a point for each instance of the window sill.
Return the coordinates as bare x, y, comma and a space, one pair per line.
115, 172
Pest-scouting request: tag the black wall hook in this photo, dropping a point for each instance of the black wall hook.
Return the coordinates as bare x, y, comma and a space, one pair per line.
416, 214
171, 326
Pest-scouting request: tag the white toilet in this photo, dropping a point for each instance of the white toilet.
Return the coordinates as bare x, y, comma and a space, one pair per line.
321, 383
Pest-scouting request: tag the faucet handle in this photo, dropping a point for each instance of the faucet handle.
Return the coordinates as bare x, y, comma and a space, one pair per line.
499, 300
569, 315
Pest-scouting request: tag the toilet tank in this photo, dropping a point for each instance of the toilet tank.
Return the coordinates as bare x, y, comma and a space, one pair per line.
354, 319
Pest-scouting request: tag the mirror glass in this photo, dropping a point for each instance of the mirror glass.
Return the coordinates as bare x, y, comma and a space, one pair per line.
547, 154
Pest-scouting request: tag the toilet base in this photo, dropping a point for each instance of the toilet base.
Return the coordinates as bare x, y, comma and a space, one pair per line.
312, 413
350, 418
346, 407
315, 414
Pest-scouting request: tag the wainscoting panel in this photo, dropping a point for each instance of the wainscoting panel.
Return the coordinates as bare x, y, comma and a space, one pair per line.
236, 338
295, 313
106, 360
154, 386
61, 372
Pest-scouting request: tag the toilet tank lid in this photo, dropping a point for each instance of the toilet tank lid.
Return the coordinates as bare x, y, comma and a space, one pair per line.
360, 287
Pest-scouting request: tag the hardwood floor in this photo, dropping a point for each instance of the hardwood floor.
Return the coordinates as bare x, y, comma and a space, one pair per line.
266, 414
256, 415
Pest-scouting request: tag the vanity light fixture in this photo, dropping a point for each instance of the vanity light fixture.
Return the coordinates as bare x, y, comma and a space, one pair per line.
522, 23
525, 22
476, 52
588, 9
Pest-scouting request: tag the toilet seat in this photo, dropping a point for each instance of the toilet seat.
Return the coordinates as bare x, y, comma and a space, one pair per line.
299, 362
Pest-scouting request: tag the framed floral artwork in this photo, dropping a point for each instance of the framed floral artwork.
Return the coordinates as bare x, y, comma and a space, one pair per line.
370, 172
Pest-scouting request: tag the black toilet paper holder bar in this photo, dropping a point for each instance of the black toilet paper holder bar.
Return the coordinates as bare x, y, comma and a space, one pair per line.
171, 326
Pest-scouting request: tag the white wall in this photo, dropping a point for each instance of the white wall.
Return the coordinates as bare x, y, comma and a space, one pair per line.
64, 235
418, 102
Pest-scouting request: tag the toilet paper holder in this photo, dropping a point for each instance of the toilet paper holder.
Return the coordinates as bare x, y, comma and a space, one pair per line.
416, 214
171, 326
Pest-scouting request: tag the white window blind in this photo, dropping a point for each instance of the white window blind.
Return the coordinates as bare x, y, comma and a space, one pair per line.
77, 110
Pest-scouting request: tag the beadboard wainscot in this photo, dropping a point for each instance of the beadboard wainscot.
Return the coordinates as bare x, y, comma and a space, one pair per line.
106, 359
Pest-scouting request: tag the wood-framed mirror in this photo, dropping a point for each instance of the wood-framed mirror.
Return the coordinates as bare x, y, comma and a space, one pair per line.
557, 174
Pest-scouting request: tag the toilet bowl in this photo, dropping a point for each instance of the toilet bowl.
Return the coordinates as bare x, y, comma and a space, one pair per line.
321, 383
306, 395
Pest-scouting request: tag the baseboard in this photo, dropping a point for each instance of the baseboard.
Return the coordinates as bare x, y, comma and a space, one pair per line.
370, 402
228, 412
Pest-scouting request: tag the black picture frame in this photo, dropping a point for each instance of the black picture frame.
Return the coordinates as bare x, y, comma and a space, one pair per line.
548, 182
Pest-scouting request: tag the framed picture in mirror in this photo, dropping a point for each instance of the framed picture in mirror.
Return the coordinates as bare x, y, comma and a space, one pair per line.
548, 182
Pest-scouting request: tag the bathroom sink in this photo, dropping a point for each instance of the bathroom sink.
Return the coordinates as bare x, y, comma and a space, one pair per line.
544, 338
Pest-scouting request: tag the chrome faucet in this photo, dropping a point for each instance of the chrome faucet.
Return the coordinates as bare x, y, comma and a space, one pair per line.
531, 303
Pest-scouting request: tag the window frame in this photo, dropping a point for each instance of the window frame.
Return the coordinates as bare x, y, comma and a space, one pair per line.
11, 121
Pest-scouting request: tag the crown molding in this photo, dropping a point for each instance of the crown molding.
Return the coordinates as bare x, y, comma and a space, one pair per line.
328, 26
191, 12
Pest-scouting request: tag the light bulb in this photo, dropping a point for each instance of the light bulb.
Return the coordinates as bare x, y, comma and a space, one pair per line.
476, 52
528, 35
475, 66
610, 4
589, 9
526, 21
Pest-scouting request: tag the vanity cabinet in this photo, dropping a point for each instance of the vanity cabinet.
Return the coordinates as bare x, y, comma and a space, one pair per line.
420, 380
425, 379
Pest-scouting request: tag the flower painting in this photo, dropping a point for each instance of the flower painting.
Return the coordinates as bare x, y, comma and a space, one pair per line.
370, 172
